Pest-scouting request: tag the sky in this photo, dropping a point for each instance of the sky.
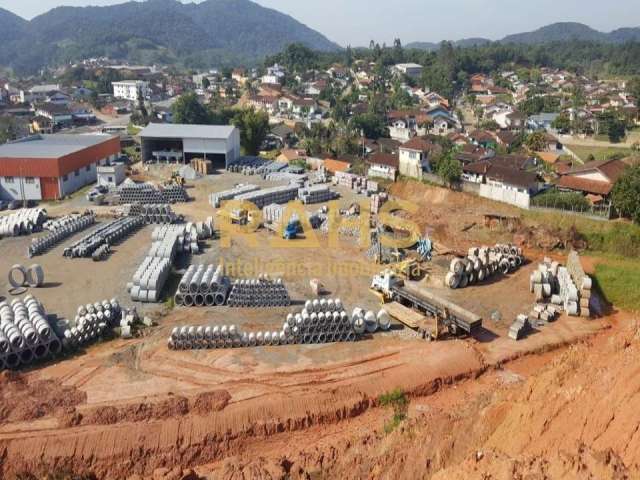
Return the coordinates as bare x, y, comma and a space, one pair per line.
356, 22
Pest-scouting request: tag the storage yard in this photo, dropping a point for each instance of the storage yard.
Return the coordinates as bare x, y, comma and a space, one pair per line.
170, 336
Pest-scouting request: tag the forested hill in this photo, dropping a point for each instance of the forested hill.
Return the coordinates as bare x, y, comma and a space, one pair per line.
164, 31
556, 32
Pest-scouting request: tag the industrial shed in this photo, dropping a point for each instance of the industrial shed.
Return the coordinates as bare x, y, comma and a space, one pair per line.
163, 142
49, 167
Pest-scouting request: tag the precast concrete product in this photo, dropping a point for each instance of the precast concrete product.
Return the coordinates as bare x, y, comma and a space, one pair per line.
35, 276
384, 320
17, 276
267, 196
482, 263
109, 234
22, 222
146, 193
216, 199
59, 230
25, 333
371, 322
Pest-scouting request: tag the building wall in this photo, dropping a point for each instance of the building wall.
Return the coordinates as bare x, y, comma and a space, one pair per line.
111, 176
382, 171
506, 195
17, 188
410, 167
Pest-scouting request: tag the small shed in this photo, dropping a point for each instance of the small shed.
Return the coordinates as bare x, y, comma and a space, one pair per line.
111, 175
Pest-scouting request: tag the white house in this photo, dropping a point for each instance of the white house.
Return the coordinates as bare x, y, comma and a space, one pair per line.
129, 89
412, 70
111, 175
414, 157
274, 75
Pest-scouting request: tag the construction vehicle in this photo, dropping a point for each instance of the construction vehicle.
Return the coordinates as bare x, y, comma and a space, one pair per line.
176, 178
292, 230
394, 291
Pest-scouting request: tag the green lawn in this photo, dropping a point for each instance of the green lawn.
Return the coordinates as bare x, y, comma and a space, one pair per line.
619, 281
600, 153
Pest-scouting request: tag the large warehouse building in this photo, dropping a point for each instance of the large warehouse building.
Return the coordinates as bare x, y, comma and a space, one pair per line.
49, 167
181, 143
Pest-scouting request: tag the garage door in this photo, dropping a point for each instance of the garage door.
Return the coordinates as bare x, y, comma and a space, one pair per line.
49, 188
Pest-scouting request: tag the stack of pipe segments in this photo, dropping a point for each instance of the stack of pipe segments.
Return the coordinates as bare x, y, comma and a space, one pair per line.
482, 264
110, 234
259, 292
59, 230
22, 222
91, 322
25, 333
319, 322
20, 277
203, 285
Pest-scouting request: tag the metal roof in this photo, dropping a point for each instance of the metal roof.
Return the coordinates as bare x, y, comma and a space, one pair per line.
172, 130
50, 146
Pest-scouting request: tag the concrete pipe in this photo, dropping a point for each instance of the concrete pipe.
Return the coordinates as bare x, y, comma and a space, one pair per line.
291, 320
331, 305
4, 343
587, 283
40, 351
233, 331
306, 339
452, 280
188, 300
572, 308
282, 338
357, 312
316, 305
538, 292
464, 280
12, 360
175, 333
17, 276
26, 356
351, 337
179, 299
546, 290
457, 266
209, 300
252, 339
359, 325
200, 333
384, 320
338, 304
504, 267
219, 298
275, 338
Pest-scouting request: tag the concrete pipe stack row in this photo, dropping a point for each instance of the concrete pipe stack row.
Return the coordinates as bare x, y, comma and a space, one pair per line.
203, 285
369, 322
152, 274
186, 234
91, 323
157, 213
259, 292
59, 230
261, 198
25, 333
144, 193
297, 178
22, 222
582, 280
110, 234
482, 264
316, 194
325, 322
216, 199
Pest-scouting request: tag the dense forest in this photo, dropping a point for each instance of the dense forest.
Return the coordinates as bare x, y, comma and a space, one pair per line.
449, 67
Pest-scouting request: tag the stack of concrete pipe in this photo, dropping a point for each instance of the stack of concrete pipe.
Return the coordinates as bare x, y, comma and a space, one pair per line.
482, 264
151, 213
59, 230
321, 321
187, 234
216, 199
150, 277
267, 196
25, 333
316, 194
582, 280
22, 222
203, 285
91, 323
130, 192
552, 283
259, 292
369, 322
110, 234
541, 315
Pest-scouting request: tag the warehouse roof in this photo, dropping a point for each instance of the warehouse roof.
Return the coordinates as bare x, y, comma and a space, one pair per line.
50, 146
172, 130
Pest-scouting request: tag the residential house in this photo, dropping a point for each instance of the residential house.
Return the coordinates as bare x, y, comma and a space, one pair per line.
130, 89
383, 165
483, 138
472, 153
542, 121
275, 75
59, 115
402, 124
284, 134
290, 154
37, 93
414, 157
268, 103
412, 70
342, 164
239, 75
595, 179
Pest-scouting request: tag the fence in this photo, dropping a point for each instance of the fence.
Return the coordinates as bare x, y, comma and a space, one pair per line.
598, 212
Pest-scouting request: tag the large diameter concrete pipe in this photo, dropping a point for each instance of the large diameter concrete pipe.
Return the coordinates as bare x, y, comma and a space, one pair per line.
35, 276
384, 320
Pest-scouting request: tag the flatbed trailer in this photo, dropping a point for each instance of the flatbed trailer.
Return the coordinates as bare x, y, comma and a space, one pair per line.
456, 318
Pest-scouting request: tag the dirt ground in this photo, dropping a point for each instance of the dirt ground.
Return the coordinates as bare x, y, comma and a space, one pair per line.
275, 412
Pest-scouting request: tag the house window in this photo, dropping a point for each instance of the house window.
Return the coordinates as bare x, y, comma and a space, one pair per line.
413, 155
65, 178
8, 179
29, 180
110, 179
88, 168
77, 173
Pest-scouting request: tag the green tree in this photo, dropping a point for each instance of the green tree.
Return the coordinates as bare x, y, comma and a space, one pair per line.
449, 169
626, 194
562, 123
188, 109
371, 124
536, 141
254, 127
205, 83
